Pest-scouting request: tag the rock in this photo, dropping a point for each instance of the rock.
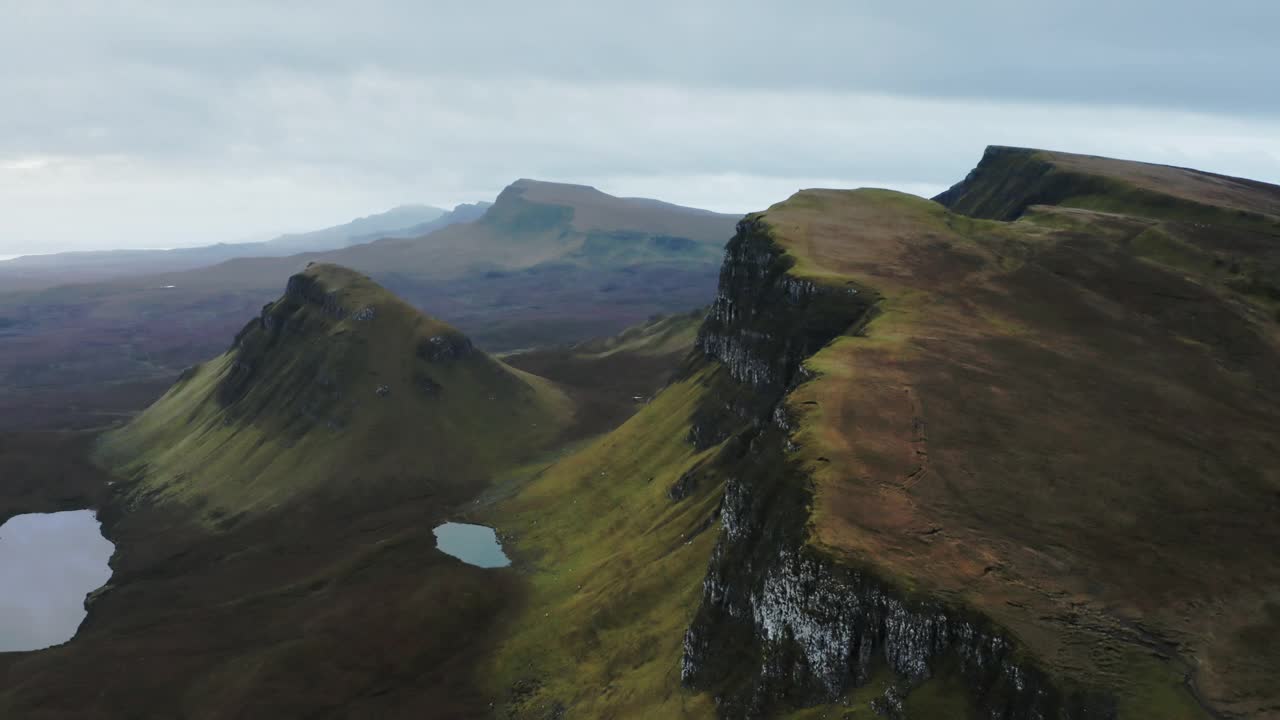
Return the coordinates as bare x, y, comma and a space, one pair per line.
779, 622
383, 391
890, 705
445, 347
303, 288
687, 483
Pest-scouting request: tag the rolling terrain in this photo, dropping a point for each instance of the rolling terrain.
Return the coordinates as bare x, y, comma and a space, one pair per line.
35, 272
927, 465
1008, 453
546, 264
273, 513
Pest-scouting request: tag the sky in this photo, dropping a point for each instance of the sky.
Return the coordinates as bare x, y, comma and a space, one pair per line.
148, 124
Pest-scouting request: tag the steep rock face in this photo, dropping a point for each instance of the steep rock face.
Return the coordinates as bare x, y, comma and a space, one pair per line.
781, 623
279, 319
762, 325
1008, 180
765, 322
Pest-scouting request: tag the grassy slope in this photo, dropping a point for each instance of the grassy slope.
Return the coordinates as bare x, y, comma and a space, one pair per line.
1030, 428
306, 580
608, 378
1033, 426
311, 417
616, 571
663, 335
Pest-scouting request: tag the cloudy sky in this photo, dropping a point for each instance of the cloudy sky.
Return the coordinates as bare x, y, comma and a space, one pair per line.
162, 124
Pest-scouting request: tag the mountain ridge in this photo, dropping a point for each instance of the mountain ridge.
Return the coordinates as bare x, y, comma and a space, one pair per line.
932, 465
335, 374
520, 275
29, 272
918, 464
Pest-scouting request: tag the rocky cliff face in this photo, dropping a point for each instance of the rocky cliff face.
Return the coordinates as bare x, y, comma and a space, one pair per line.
764, 322
780, 623
762, 325
1009, 180
277, 319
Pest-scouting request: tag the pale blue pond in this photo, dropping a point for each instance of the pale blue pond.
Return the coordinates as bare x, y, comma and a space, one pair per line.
472, 544
48, 563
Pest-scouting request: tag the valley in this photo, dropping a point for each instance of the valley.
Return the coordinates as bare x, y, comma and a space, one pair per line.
546, 264
1007, 453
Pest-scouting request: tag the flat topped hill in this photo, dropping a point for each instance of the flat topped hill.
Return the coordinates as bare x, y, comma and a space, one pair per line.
338, 387
1068, 422
593, 210
1008, 180
1186, 183
546, 264
530, 222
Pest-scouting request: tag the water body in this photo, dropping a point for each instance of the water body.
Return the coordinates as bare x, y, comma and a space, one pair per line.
48, 563
472, 544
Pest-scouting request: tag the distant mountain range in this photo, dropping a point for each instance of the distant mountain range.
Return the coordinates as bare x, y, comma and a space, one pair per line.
1010, 453
545, 263
31, 272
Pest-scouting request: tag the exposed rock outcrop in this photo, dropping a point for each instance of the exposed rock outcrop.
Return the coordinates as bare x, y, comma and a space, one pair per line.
764, 321
445, 347
780, 623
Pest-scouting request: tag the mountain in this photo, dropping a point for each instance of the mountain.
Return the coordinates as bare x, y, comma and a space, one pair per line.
274, 512
370, 227
1007, 454
546, 264
333, 383
34, 272
940, 466
464, 213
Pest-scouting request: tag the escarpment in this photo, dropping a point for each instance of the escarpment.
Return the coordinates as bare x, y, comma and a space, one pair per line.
780, 623
764, 321
1010, 180
959, 456
762, 325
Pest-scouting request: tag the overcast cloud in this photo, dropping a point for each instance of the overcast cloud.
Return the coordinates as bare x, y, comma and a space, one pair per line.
132, 124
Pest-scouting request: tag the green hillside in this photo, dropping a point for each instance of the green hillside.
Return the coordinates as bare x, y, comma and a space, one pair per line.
337, 385
274, 514
1007, 455
933, 466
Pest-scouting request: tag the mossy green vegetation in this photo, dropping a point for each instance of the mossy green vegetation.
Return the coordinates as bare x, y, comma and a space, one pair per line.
907, 415
1053, 425
660, 335
338, 386
616, 568
963, 305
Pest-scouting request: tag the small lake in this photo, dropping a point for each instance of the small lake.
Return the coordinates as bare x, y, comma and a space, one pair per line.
48, 563
472, 544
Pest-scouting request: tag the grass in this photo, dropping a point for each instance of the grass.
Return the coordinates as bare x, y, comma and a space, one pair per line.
1065, 424
328, 596
661, 335
915, 429
310, 415
615, 570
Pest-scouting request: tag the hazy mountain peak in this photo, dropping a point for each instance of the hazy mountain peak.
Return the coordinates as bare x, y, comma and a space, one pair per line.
587, 208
